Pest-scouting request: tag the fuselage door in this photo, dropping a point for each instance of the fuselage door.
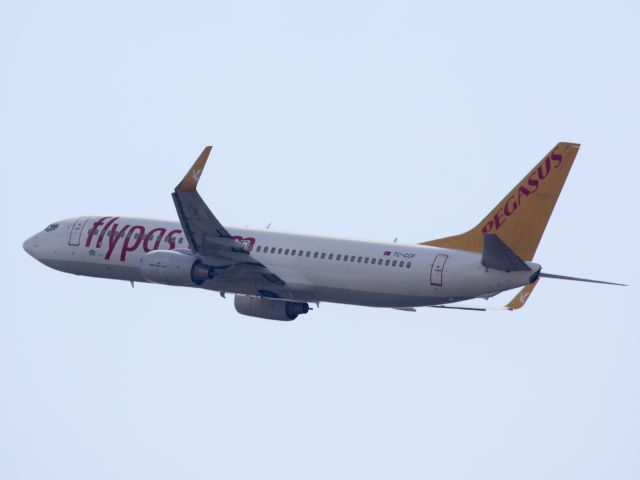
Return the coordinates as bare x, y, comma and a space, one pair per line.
437, 268
76, 231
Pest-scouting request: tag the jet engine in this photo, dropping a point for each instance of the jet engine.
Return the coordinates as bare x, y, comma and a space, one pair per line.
174, 268
269, 309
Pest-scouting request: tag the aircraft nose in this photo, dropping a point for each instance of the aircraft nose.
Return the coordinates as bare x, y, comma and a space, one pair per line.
30, 245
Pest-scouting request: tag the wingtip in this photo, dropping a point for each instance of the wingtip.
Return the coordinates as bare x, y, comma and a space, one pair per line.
190, 181
521, 297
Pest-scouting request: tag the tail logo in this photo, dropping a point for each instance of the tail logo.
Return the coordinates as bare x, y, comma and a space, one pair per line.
195, 174
524, 296
528, 187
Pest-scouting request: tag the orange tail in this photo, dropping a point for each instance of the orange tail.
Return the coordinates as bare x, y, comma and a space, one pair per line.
521, 217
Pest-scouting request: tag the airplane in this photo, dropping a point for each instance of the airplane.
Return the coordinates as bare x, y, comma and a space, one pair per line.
275, 275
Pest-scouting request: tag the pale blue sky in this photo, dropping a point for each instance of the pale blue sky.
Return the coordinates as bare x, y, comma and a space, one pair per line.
358, 119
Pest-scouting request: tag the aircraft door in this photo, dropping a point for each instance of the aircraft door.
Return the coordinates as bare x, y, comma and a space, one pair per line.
437, 268
76, 231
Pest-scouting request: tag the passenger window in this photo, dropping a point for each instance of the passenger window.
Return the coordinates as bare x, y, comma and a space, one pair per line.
181, 239
331, 256
401, 263
394, 263
308, 254
279, 251
387, 263
286, 252
353, 258
359, 259
322, 256
273, 249
366, 260
293, 252
380, 262
346, 258
315, 255
338, 257
300, 253
408, 264
259, 249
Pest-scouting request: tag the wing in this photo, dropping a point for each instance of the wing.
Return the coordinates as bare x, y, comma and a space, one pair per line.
521, 297
207, 237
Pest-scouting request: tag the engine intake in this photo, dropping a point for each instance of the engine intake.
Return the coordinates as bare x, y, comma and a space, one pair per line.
269, 309
174, 268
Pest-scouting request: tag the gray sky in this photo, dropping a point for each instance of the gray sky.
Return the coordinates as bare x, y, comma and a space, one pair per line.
359, 119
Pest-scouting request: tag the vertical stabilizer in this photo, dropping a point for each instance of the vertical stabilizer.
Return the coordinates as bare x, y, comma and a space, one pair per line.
521, 217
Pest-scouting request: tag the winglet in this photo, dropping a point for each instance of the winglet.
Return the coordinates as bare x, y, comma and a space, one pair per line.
521, 298
190, 180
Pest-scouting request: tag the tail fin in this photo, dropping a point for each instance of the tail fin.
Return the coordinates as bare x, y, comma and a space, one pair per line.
521, 217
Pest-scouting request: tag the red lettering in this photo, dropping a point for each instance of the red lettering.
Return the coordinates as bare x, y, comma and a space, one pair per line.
514, 201
161, 231
510, 206
170, 239
128, 246
114, 236
522, 190
533, 182
93, 230
547, 164
104, 230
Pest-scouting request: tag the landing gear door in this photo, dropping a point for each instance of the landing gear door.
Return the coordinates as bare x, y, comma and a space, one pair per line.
437, 268
76, 231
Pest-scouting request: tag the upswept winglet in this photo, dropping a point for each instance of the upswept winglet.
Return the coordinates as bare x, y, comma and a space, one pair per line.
190, 180
209, 239
521, 297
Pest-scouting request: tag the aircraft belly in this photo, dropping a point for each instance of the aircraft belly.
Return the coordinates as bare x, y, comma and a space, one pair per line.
100, 270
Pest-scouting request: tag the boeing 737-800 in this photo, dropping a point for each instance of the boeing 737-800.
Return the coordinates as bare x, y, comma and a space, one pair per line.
277, 275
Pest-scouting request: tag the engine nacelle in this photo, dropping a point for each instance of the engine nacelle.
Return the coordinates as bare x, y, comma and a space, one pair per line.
269, 309
174, 268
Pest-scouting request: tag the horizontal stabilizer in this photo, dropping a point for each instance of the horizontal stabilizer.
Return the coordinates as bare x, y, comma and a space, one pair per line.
497, 255
576, 279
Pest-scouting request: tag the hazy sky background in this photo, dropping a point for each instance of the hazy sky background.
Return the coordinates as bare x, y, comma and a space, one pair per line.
358, 119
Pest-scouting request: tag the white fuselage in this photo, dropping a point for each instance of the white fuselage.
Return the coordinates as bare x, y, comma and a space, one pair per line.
327, 270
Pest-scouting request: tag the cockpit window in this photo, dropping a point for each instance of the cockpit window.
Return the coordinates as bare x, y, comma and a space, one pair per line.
51, 227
